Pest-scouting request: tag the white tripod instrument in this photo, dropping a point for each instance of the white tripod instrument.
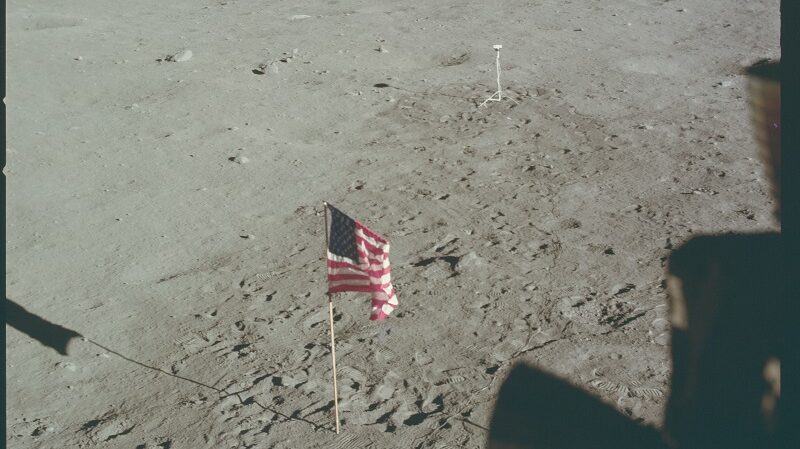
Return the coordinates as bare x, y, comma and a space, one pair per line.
499, 93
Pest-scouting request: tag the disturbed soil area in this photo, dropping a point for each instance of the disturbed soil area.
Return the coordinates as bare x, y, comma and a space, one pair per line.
167, 164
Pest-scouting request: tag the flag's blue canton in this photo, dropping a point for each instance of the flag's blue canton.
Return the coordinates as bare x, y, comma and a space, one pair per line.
343, 235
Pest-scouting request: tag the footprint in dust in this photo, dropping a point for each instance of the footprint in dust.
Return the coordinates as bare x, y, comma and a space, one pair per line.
51, 21
30, 427
422, 358
158, 443
420, 417
659, 332
242, 349
351, 380
107, 428
352, 441
450, 380
312, 351
454, 58
392, 418
315, 319
291, 378
506, 350
626, 386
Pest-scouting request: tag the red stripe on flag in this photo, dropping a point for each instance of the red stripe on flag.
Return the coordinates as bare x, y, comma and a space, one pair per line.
362, 244
369, 232
348, 277
371, 273
354, 288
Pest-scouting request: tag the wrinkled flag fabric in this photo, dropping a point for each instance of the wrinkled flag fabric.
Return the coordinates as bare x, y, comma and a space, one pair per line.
358, 261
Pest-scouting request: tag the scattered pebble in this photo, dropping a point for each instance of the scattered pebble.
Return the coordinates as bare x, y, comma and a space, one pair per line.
180, 57
633, 208
248, 236
67, 366
299, 17
382, 49
240, 159
619, 289
570, 223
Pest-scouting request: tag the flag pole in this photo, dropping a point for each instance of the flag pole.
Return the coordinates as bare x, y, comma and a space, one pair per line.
333, 340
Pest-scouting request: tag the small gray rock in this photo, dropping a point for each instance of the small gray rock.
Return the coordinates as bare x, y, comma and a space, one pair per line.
619, 289
183, 56
470, 262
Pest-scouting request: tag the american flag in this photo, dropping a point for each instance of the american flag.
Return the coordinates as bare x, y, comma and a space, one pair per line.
358, 261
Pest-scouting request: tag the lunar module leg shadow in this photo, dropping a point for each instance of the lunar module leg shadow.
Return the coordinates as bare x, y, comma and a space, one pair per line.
726, 302
536, 410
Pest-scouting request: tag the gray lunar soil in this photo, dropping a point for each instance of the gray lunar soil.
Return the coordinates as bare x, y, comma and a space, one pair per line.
167, 164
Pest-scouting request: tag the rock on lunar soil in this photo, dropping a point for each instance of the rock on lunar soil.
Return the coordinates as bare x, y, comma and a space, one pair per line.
470, 262
183, 56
